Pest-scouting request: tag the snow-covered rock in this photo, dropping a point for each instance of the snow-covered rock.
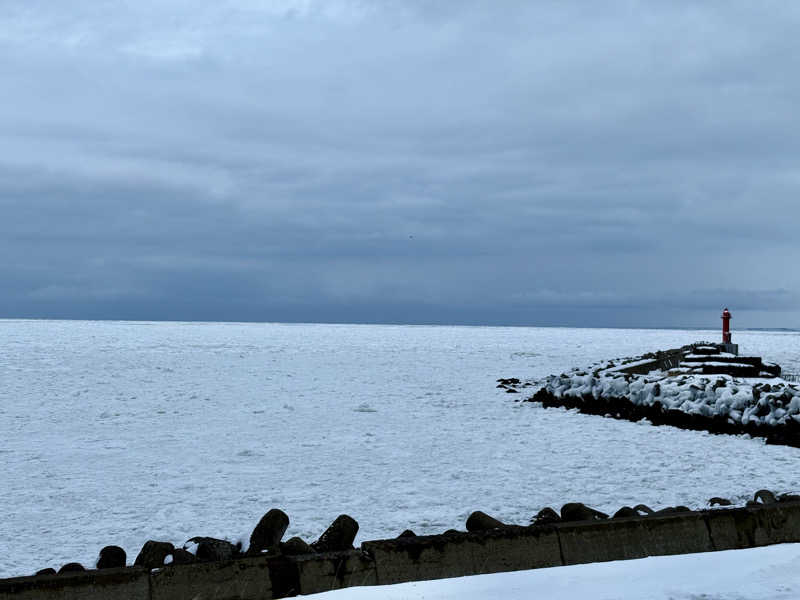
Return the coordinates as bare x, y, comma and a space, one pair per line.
692, 388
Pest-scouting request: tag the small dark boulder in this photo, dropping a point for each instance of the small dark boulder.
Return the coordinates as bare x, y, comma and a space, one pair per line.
789, 498
765, 497
407, 533
511, 391
269, 531
577, 511
643, 509
480, 521
451, 532
72, 567
111, 557
181, 556
625, 511
212, 550
295, 547
717, 501
152, 554
47, 571
545, 516
339, 536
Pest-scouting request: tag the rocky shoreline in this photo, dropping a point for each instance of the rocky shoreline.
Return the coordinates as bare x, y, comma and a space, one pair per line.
696, 387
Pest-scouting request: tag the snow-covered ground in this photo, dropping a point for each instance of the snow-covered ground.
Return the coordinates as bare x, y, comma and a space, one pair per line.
115, 433
769, 573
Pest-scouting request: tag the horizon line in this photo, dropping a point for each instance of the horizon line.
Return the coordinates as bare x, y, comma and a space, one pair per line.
396, 324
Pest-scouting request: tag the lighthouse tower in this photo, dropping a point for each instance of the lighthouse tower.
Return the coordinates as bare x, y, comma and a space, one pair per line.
727, 341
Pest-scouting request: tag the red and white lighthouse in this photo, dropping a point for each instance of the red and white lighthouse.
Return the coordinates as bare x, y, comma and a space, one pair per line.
726, 326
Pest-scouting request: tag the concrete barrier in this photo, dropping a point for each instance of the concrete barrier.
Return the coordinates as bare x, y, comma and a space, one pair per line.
633, 537
334, 570
131, 583
600, 541
751, 527
262, 577
458, 554
245, 579
421, 558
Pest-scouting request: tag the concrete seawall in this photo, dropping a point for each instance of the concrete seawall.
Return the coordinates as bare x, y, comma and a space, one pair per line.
454, 554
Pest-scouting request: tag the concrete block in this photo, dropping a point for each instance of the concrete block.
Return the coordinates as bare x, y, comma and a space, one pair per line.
773, 523
682, 533
333, 571
262, 577
459, 554
243, 579
123, 584
633, 537
599, 541
754, 526
730, 529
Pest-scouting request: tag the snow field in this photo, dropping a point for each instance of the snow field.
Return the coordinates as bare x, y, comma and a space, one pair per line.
116, 433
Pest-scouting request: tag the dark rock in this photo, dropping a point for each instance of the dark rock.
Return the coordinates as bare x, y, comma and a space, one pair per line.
671, 510
152, 554
269, 531
789, 498
47, 571
577, 511
451, 531
407, 533
339, 536
212, 550
717, 501
625, 511
545, 516
181, 556
111, 557
511, 391
643, 509
765, 496
296, 546
480, 521
72, 567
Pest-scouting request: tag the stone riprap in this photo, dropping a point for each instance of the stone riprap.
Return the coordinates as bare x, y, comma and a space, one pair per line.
694, 387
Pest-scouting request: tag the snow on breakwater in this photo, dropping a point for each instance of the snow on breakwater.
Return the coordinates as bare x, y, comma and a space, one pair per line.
704, 384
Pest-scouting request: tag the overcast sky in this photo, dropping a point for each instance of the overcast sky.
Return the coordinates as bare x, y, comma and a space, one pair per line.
611, 163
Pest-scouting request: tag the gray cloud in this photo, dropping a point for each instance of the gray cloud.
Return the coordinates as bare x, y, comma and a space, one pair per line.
522, 163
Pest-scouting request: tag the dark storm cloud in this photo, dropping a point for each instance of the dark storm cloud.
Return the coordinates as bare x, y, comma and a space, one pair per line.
544, 163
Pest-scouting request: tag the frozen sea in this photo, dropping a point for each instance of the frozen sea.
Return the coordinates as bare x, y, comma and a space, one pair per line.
120, 432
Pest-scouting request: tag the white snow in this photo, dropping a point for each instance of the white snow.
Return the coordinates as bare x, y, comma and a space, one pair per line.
116, 433
768, 573
742, 399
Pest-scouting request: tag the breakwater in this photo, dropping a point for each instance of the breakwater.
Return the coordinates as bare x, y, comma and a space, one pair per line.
698, 387
549, 542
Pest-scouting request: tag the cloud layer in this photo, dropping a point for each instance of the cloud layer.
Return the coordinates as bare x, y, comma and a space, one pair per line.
521, 163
